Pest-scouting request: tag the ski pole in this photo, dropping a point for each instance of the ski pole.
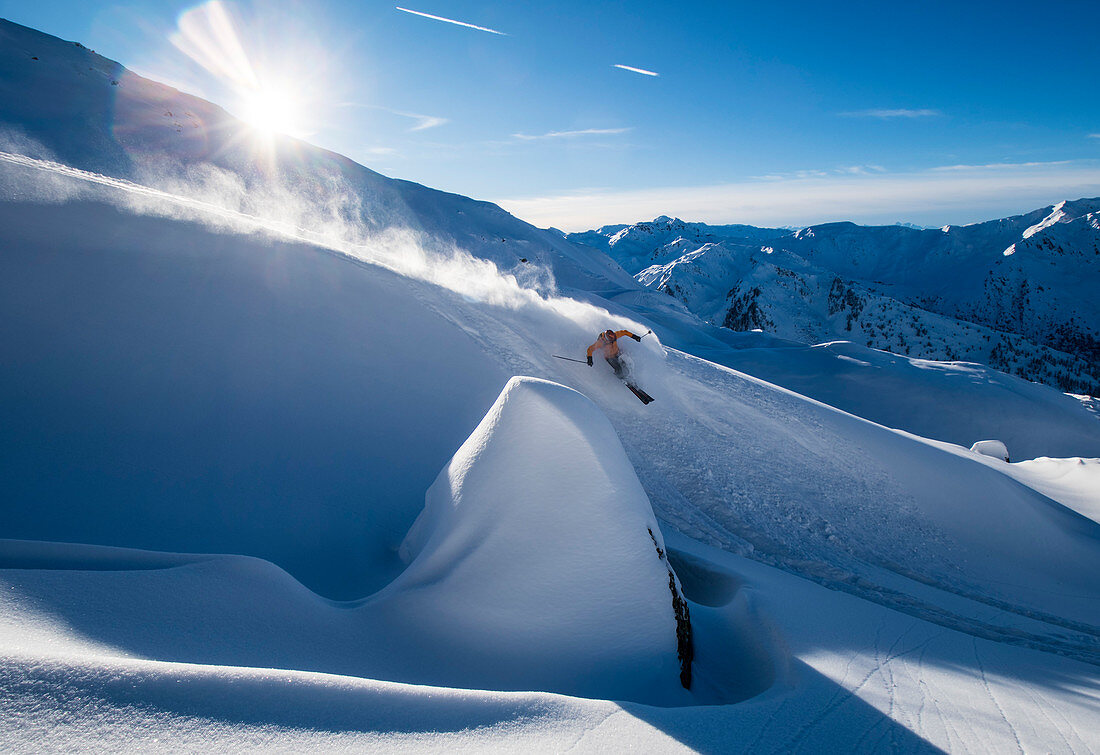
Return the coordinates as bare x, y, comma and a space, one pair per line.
647, 333
569, 359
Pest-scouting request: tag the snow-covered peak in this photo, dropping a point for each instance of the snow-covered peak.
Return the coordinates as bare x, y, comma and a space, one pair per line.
1065, 211
1056, 215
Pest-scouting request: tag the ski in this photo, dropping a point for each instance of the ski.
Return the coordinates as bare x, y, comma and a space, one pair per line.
644, 397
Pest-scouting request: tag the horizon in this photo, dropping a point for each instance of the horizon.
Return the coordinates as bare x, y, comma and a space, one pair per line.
731, 115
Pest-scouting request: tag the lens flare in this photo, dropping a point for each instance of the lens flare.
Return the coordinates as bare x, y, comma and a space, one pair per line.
265, 99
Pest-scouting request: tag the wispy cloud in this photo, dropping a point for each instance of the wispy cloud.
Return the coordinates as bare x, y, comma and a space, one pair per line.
844, 170
1094, 136
422, 121
932, 197
570, 134
860, 170
632, 69
451, 21
795, 174
895, 113
1001, 166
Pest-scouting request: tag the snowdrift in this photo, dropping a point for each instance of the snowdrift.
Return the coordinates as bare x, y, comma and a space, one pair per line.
537, 562
993, 448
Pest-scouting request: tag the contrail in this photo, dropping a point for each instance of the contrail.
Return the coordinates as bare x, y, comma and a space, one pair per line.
636, 70
451, 21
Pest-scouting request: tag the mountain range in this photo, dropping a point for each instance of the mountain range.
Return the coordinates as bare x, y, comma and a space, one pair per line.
1017, 294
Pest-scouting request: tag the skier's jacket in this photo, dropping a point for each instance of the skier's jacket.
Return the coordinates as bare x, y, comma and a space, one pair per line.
606, 344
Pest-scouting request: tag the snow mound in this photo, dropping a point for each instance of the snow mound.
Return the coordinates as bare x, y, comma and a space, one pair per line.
538, 560
994, 448
1073, 482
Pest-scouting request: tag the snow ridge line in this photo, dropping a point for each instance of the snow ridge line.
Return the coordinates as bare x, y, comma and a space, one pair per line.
122, 184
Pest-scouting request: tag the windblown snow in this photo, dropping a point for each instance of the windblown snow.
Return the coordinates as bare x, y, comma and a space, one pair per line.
290, 463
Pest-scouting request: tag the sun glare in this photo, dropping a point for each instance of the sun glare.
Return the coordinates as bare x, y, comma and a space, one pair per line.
270, 111
269, 97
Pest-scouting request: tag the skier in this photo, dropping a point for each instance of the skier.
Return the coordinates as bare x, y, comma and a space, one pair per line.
606, 344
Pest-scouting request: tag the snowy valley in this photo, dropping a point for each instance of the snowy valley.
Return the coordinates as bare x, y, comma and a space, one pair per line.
291, 462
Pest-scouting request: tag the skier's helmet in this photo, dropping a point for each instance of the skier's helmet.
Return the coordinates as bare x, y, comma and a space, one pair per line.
609, 335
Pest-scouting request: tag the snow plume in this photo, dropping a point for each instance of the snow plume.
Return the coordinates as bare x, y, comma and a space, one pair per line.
20, 156
13, 141
333, 216
204, 194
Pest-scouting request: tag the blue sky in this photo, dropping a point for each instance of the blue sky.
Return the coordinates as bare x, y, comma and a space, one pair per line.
781, 113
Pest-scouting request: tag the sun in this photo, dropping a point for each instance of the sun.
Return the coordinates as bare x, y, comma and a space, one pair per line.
270, 111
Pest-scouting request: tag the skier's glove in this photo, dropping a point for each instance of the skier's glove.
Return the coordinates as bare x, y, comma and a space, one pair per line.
589, 360
636, 338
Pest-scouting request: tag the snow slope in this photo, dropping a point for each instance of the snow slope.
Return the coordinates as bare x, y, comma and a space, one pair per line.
929, 533
860, 678
959, 402
1073, 482
242, 387
183, 379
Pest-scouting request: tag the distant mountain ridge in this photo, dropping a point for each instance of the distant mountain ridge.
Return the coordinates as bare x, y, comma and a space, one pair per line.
1015, 293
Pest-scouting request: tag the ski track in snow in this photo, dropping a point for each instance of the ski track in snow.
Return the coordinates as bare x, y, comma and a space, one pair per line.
822, 567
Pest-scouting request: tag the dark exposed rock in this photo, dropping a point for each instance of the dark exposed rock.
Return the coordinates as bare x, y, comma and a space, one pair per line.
685, 644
